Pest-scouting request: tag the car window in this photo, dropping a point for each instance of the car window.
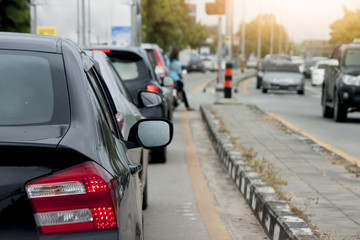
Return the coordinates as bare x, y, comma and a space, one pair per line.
352, 57
32, 89
322, 66
282, 68
105, 102
129, 66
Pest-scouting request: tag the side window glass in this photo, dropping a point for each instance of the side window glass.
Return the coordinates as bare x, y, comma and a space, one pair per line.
103, 100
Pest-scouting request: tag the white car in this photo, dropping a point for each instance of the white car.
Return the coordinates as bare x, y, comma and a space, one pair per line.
318, 72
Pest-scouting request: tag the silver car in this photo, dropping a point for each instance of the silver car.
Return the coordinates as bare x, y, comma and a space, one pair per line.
283, 75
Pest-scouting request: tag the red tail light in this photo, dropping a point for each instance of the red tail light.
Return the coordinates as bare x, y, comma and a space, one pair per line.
158, 61
120, 119
79, 198
152, 88
174, 85
102, 50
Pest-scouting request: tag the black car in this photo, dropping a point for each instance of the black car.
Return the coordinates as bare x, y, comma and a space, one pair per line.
65, 172
196, 65
134, 68
341, 87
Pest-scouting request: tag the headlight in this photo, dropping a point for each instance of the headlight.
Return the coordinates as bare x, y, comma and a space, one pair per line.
351, 80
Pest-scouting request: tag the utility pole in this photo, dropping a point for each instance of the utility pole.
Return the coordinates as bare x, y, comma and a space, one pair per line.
219, 52
229, 28
243, 33
259, 33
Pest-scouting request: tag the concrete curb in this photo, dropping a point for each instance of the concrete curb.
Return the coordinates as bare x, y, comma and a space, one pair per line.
274, 215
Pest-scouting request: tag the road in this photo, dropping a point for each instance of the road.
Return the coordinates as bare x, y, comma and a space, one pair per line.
175, 209
304, 113
191, 196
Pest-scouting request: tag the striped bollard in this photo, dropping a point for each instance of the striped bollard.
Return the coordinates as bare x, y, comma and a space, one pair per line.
228, 78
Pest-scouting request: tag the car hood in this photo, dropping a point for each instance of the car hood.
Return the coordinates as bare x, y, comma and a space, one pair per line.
43, 134
352, 71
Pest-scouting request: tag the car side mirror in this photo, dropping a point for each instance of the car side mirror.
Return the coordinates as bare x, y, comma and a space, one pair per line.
168, 81
148, 99
150, 133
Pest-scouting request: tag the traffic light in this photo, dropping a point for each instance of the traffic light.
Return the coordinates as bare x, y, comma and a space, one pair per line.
218, 7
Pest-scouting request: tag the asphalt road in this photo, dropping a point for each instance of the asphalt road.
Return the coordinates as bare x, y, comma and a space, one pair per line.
304, 113
191, 196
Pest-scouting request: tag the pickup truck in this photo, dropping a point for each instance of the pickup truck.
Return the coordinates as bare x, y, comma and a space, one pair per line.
341, 87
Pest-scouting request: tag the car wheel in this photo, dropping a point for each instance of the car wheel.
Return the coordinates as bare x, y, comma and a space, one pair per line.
264, 90
340, 110
327, 112
300, 92
158, 155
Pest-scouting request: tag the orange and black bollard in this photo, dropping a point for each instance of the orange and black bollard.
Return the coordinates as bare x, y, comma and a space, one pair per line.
228, 78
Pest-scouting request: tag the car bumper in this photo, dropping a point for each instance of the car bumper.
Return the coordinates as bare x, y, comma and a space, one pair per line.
283, 86
350, 95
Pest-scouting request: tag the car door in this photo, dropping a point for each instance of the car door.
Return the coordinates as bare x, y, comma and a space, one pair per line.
129, 200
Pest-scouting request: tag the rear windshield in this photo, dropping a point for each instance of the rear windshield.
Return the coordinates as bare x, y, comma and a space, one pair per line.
282, 68
32, 89
352, 57
129, 66
322, 65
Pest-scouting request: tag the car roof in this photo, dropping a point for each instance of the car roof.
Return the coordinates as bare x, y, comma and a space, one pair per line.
31, 42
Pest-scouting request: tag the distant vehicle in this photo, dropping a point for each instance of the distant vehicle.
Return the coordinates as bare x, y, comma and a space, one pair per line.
252, 62
341, 87
195, 65
133, 66
318, 72
283, 75
309, 65
69, 175
156, 57
209, 64
265, 62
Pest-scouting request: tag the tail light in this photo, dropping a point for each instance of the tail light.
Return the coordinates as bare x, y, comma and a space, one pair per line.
76, 199
174, 85
152, 88
102, 50
120, 119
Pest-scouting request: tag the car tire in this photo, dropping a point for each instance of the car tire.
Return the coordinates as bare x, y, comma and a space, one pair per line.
340, 110
300, 92
158, 155
327, 112
264, 90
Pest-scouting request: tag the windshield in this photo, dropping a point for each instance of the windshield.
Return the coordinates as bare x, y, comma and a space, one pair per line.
129, 66
282, 68
352, 57
32, 89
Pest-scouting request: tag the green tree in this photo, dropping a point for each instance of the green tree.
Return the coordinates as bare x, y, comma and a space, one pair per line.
14, 16
347, 28
166, 23
252, 35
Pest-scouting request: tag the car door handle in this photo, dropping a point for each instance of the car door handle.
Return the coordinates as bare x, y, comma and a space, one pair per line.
135, 168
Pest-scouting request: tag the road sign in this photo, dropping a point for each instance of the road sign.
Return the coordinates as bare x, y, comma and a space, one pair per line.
51, 31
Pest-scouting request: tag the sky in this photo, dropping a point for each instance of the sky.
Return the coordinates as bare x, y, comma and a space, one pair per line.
303, 19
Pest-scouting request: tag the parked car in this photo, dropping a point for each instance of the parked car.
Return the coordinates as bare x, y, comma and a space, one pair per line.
341, 87
283, 75
128, 114
263, 64
68, 175
196, 65
318, 72
156, 57
134, 68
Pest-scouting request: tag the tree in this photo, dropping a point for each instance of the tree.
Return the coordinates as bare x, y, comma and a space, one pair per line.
347, 28
14, 16
166, 23
265, 24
